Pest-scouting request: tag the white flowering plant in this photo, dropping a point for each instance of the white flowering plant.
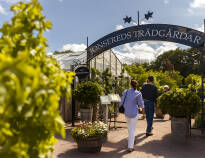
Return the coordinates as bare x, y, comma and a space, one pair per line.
90, 130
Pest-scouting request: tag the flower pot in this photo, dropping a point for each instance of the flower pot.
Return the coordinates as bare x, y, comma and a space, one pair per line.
90, 145
180, 128
86, 114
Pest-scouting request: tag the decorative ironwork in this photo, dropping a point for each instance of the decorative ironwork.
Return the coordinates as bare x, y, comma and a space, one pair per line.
127, 19
82, 72
76, 62
148, 15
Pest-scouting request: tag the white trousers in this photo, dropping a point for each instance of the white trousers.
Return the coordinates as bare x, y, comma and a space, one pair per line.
131, 125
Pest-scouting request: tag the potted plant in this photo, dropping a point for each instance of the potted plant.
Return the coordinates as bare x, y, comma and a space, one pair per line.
181, 104
158, 111
90, 136
88, 94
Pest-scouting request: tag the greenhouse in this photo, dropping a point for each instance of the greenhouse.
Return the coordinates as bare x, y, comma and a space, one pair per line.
105, 60
70, 61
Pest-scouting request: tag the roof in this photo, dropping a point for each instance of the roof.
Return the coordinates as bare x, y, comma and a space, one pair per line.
74, 58
67, 59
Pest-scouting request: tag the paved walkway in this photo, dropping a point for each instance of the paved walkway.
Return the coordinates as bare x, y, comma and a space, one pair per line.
160, 145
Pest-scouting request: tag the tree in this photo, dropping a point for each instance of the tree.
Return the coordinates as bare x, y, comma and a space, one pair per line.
173, 78
107, 81
122, 83
185, 61
62, 52
30, 86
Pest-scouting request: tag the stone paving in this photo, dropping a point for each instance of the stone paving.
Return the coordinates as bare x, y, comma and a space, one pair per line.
160, 145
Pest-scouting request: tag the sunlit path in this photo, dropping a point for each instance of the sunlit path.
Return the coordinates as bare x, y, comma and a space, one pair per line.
160, 145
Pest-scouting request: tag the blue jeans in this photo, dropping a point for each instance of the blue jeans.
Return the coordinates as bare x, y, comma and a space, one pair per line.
149, 110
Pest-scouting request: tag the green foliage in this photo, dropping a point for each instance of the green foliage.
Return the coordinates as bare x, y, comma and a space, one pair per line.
30, 86
107, 81
198, 121
173, 79
122, 83
104, 79
193, 80
111, 110
110, 84
96, 75
88, 94
175, 75
90, 130
138, 72
62, 52
185, 61
180, 102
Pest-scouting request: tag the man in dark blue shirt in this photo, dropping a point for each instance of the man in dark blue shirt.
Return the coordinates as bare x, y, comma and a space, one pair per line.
149, 94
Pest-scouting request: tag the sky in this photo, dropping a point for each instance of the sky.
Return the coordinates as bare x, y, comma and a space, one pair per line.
75, 20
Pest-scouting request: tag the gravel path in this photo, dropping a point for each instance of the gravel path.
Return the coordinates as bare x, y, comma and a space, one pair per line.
160, 145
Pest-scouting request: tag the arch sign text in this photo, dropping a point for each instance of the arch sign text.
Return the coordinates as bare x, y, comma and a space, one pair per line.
149, 32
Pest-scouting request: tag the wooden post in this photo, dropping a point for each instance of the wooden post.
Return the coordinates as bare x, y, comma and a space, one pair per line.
73, 101
105, 113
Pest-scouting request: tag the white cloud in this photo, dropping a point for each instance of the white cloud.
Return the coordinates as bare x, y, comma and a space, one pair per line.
49, 53
9, 2
141, 23
142, 52
200, 28
14, 1
166, 1
190, 10
197, 4
196, 7
119, 27
166, 46
2, 10
60, 0
74, 47
134, 23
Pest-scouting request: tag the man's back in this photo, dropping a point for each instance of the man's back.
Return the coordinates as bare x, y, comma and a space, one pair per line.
149, 92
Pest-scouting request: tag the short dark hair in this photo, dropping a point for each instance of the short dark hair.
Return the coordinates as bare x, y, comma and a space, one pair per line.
134, 84
151, 78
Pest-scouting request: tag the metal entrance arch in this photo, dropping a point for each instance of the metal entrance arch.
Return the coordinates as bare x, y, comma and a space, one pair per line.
153, 32
149, 32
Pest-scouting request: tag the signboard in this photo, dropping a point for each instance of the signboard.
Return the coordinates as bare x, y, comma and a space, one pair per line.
114, 98
82, 72
104, 100
154, 32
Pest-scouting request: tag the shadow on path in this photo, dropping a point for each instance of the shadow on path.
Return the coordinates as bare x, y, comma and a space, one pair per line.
170, 147
67, 138
160, 120
167, 147
114, 150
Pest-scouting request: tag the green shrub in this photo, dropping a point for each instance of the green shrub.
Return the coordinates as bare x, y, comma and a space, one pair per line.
193, 80
88, 94
30, 86
180, 102
171, 78
198, 121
